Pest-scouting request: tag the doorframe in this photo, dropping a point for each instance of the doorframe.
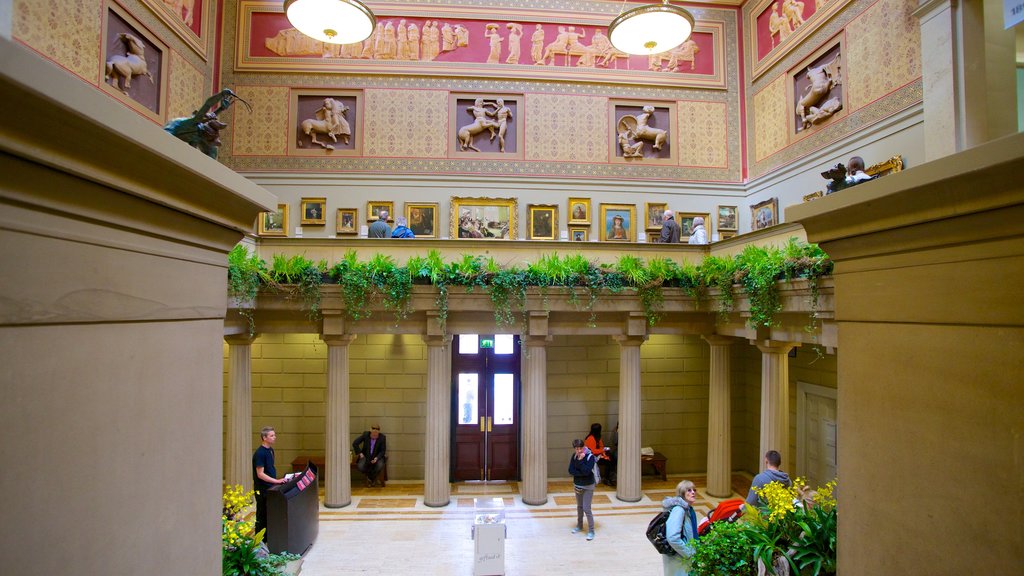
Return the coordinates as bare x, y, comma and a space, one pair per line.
803, 390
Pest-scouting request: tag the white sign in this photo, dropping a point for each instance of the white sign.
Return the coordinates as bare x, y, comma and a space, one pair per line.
1013, 12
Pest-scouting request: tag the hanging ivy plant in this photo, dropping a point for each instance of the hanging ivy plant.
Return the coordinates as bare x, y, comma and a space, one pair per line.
305, 274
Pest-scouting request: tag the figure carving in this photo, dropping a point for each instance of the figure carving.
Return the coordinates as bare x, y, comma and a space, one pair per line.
448, 37
403, 41
461, 36
639, 130
537, 45
202, 129
414, 41
515, 36
491, 32
778, 24
817, 115
685, 52
480, 123
561, 44
369, 45
601, 47
330, 120
387, 48
183, 9
629, 149
794, 12
133, 63
502, 114
822, 80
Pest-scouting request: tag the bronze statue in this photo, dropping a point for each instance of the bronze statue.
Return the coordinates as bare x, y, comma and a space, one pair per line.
202, 129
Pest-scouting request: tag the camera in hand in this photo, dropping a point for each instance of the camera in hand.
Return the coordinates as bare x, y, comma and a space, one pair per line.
837, 178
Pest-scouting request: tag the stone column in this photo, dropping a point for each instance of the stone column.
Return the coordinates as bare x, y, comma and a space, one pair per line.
338, 487
719, 422
628, 489
437, 452
774, 398
535, 421
239, 426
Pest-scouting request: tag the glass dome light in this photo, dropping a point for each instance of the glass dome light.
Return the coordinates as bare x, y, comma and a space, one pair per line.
331, 21
650, 29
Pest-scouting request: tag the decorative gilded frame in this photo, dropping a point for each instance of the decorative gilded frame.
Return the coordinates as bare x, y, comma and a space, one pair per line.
434, 217
727, 210
800, 69
373, 207
726, 234
608, 212
455, 120
652, 224
815, 21
890, 166
314, 220
579, 233
534, 210
340, 228
671, 138
458, 204
196, 42
585, 220
355, 119
687, 219
161, 74
264, 230
773, 204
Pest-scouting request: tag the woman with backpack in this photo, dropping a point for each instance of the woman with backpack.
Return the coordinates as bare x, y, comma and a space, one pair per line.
680, 529
581, 467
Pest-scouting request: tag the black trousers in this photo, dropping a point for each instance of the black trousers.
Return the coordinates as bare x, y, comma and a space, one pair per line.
371, 470
261, 513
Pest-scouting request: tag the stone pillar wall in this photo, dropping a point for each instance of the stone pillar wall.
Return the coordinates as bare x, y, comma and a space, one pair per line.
535, 420
338, 488
239, 425
436, 487
719, 471
628, 488
775, 398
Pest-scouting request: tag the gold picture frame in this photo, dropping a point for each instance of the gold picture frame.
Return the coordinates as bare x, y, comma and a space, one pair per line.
622, 231
653, 212
346, 222
725, 235
579, 233
274, 223
483, 218
764, 214
422, 218
314, 211
543, 222
890, 166
579, 211
685, 220
374, 207
728, 218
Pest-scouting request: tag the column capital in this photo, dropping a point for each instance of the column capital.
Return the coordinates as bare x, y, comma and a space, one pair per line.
240, 339
629, 340
337, 339
718, 339
437, 339
774, 346
926, 8
535, 341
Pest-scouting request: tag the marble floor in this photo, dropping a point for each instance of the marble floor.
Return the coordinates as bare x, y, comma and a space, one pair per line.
390, 532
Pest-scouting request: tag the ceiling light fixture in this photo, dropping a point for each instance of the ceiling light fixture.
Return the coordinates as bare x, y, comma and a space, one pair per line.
332, 21
650, 29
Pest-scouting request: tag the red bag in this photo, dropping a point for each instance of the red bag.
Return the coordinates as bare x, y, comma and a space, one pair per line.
726, 511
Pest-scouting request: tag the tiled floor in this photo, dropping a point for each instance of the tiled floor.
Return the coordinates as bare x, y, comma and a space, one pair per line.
390, 532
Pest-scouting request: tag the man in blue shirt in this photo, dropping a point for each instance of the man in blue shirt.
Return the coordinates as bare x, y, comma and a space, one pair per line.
264, 475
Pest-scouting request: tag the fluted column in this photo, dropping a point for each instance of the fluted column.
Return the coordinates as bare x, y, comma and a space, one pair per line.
239, 426
535, 421
338, 489
437, 452
719, 421
628, 489
774, 397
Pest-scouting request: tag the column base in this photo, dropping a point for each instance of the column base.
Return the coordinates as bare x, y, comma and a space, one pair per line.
437, 504
621, 499
326, 505
535, 503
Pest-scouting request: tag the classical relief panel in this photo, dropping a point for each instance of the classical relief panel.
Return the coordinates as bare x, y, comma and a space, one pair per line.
186, 87
65, 31
770, 119
486, 126
188, 19
643, 132
264, 131
883, 44
406, 123
566, 128
703, 134
778, 26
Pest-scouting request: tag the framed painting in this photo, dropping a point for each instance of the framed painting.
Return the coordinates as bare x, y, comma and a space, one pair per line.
422, 218
543, 222
579, 211
764, 214
313, 211
685, 220
487, 218
653, 212
579, 233
346, 223
618, 222
725, 235
728, 218
274, 223
374, 208
188, 18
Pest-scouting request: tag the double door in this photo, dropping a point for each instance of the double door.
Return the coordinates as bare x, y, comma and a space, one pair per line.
485, 407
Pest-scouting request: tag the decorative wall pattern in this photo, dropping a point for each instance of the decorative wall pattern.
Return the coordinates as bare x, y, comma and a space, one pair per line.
884, 47
770, 119
406, 123
566, 128
65, 31
264, 131
187, 88
703, 134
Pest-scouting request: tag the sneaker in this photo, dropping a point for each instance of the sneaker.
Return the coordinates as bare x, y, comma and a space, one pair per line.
577, 530
590, 535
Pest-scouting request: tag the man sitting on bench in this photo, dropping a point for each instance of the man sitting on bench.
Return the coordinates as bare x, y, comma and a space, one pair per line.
371, 448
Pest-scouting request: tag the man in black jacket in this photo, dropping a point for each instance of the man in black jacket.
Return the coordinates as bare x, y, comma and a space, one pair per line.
371, 446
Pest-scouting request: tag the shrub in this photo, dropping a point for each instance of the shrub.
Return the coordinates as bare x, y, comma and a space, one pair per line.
724, 551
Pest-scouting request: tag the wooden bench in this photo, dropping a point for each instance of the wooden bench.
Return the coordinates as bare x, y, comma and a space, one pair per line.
658, 461
300, 463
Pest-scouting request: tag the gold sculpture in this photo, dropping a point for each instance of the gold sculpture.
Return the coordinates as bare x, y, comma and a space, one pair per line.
330, 120
133, 63
822, 80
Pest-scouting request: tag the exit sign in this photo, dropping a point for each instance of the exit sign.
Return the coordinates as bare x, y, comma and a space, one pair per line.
487, 342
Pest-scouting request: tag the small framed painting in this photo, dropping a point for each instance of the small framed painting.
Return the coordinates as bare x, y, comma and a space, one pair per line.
579, 211
618, 222
579, 233
543, 222
764, 214
728, 218
374, 208
274, 223
422, 217
685, 220
725, 235
653, 212
313, 211
346, 223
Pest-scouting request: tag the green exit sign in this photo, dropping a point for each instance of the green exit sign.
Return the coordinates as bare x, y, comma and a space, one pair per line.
487, 342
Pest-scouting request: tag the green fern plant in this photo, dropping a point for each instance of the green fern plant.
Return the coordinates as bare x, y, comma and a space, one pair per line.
764, 268
246, 274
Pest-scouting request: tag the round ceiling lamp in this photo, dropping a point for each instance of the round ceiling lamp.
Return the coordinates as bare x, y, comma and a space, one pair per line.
650, 29
332, 21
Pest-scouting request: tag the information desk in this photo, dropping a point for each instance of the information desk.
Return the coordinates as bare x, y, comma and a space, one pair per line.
293, 513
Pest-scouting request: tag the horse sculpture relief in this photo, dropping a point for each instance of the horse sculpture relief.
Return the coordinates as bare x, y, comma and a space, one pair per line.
330, 120
636, 127
133, 63
822, 79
